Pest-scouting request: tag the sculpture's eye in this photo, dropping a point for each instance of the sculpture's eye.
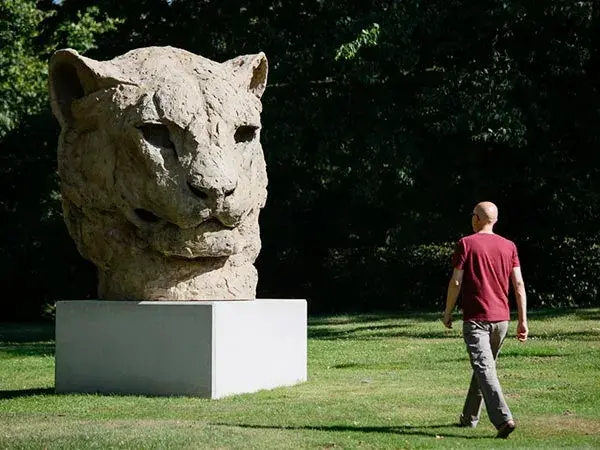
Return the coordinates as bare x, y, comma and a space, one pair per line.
157, 135
245, 133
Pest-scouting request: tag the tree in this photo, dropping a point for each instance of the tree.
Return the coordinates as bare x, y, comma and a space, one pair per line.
37, 259
23, 55
383, 123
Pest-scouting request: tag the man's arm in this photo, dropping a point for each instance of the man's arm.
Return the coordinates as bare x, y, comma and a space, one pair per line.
453, 289
519, 287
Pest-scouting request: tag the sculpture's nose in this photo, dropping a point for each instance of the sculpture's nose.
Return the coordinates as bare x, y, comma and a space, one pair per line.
213, 194
212, 176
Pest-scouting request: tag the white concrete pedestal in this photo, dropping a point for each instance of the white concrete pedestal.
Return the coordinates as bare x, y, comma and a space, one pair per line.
205, 348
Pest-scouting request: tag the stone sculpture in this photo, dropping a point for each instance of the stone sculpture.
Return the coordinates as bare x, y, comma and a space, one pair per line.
162, 172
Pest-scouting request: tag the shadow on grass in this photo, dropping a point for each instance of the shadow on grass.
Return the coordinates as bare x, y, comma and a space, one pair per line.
37, 349
363, 333
27, 339
588, 314
20, 393
519, 354
368, 326
554, 313
357, 318
432, 316
583, 335
369, 366
402, 430
26, 332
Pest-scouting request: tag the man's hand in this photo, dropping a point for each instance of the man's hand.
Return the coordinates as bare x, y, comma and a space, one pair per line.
453, 289
447, 320
521, 297
522, 331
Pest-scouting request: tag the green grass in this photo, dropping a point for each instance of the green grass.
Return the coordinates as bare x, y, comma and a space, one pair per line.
375, 381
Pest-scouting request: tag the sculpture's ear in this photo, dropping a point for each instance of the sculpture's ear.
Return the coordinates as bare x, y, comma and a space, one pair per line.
71, 77
250, 71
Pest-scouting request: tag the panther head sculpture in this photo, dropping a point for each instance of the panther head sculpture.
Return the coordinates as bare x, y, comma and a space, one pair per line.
162, 171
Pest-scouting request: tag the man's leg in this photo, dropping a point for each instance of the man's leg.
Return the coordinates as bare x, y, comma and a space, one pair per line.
499, 330
474, 401
472, 408
484, 341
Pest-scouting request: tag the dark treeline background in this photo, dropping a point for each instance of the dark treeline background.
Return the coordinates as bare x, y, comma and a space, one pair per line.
384, 123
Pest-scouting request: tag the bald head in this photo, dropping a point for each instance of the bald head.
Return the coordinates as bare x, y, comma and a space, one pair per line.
487, 212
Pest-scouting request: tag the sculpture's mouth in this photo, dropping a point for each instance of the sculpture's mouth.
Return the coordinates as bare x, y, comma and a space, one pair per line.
211, 238
205, 260
150, 220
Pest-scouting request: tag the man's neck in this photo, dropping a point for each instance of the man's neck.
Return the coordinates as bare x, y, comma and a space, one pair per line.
486, 230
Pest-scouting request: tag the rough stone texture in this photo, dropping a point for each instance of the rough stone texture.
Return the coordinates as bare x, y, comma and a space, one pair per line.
162, 172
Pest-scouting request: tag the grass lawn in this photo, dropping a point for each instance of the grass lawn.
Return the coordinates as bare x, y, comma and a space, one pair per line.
375, 381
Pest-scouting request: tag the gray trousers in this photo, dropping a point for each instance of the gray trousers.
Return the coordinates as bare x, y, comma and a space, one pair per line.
484, 340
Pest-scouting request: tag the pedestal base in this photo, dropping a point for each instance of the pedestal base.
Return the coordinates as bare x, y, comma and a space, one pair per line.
207, 348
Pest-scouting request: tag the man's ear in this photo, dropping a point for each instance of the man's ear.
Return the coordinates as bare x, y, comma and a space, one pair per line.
72, 76
250, 71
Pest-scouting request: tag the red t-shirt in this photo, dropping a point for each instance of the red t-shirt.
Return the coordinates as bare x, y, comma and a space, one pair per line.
487, 261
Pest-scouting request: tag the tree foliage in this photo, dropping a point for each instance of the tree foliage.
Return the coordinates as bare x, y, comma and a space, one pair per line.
384, 122
33, 241
22, 72
24, 53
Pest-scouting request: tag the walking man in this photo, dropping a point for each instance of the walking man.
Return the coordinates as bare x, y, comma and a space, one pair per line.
483, 263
